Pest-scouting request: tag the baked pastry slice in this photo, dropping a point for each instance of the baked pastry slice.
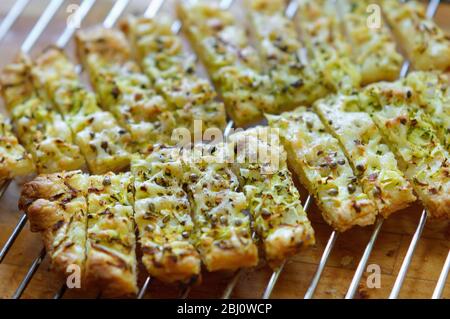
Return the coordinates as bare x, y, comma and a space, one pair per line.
323, 169
320, 29
410, 135
39, 127
121, 87
163, 217
374, 48
172, 71
370, 157
432, 93
220, 211
102, 141
425, 43
294, 81
56, 207
231, 62
14, 159
110, 244
274, 202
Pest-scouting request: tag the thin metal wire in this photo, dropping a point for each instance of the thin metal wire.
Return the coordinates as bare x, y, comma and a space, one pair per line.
153, 8
60, 293
78, 17
431, 11
12, 16
42, 23
33, 268
115, 13
144, 288
437, 294
232, 283
185, 292
4, 187
409, 254
321, 266
12, 238
364, 259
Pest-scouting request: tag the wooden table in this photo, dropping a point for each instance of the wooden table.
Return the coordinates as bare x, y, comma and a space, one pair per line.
388, 252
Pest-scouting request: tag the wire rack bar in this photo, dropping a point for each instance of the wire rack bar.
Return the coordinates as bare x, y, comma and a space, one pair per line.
4, 187
153, 8
437, 294
12, 238
42, 23
61, 291
26, 280
321, 266
116, 11
409, 254
12, 16
433, 6
364, 259
144, 287
70, 29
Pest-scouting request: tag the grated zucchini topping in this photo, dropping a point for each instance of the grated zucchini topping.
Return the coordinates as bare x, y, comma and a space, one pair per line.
426, 45
39, 128
104, 144
231, 62
57, 208
274, 202
374, 48
14, 159
220, 211
162, 215
411, 136
320, 29
323, 169
111, 264
173, 73
369, 156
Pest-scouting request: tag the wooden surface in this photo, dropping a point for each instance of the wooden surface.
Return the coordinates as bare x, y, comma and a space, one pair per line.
388, 252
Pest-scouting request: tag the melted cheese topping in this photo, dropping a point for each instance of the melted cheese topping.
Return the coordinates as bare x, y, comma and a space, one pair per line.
433, 95
102, 141
232, 63
292, 81
172, 72
162, 214
121, 88
14, 159
110, 247
370, 157
220, 213
274, 202
427, 45
373, 48
39, 128
409, 133
321, 30
323, 168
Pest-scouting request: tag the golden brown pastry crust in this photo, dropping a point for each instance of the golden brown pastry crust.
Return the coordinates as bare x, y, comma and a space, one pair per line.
56, 207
